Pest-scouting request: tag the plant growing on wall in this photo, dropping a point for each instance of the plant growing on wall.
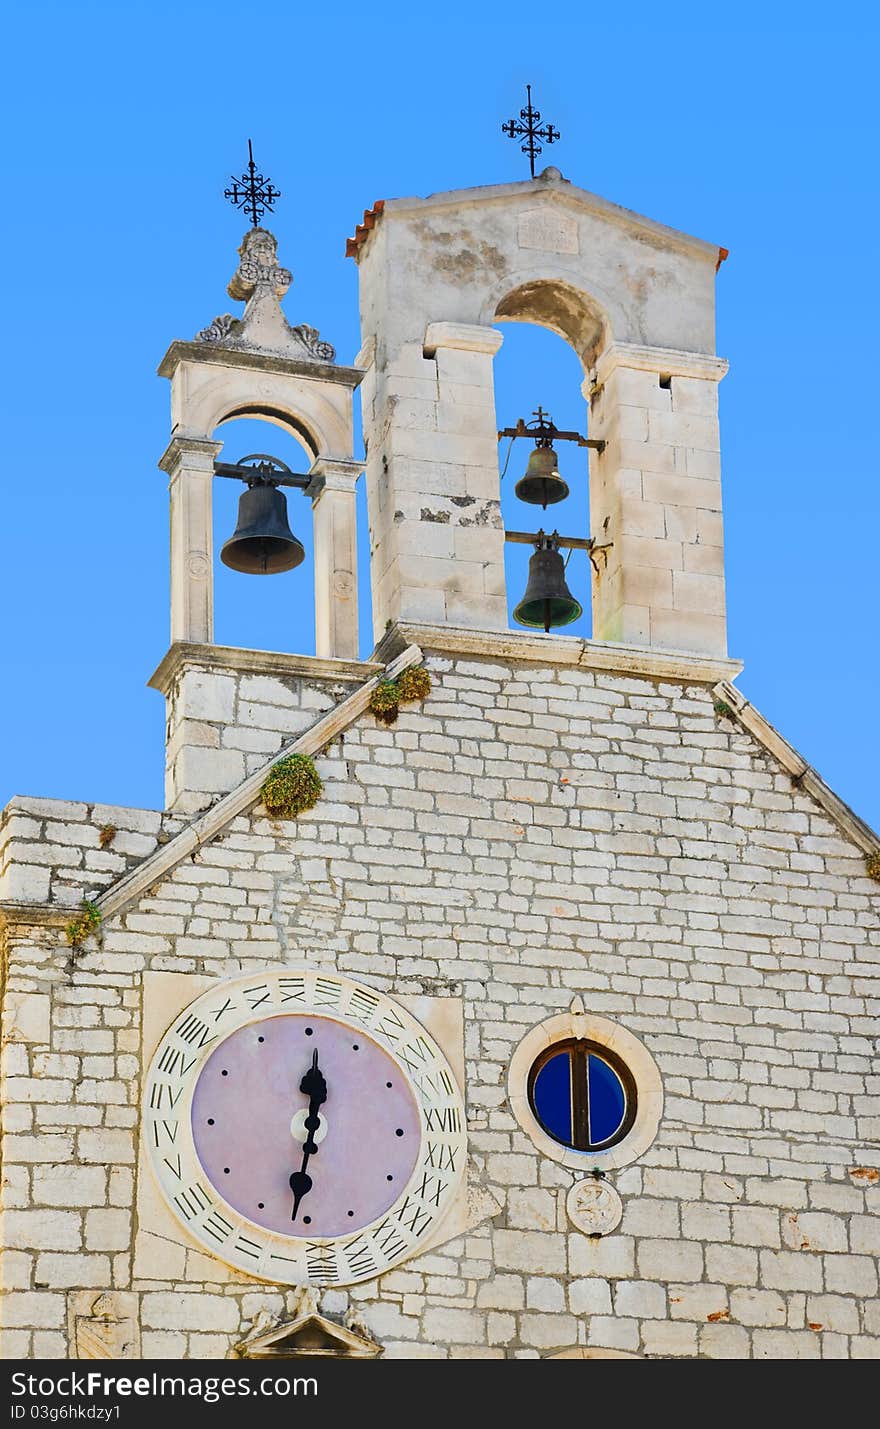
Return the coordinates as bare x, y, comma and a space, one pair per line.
872, 865
291, 786
87, 921
412, 685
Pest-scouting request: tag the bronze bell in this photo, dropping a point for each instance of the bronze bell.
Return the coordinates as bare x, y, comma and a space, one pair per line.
547, 600
542, 485
262, 543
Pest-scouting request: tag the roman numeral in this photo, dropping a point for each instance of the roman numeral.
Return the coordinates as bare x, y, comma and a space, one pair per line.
192, 1201
193, 1029
173, 1165
413, 1217
389, 1240
217, 1226
321, 1264
221, 1010
292, 989
164, 1131
360, 1259
445, 1118
363, 1003
392, 1027
327, 992
431, 1189
245, 1246
174, 1063
256, 996
161, 1092
442, 1158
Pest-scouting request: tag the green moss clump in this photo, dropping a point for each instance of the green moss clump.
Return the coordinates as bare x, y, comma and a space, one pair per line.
87, 921
291, 786
414, 684
721, 707
385, 701
872, 865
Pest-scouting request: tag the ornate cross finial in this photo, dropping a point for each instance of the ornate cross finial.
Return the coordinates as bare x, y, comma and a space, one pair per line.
531, 118
252, 192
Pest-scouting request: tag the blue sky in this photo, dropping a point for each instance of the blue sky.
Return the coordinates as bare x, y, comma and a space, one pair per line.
751, 126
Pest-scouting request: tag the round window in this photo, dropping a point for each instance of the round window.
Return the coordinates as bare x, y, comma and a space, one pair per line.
582, 1095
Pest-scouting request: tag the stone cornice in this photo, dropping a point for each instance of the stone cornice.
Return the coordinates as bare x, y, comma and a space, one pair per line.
677, 665
184, 654
802, 773
555, 190
203, 449
462, 337
667, 360
206, 353
37, 915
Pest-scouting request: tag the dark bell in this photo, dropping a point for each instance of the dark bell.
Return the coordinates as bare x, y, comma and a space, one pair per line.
542, 485
547, 600
262, 543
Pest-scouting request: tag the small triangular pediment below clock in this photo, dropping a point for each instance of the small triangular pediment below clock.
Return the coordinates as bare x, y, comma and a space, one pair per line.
309, 1336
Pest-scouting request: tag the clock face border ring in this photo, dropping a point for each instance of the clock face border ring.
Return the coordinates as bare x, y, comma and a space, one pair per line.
197, 1203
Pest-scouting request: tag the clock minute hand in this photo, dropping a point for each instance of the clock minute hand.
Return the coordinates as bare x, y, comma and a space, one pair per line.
315, 1088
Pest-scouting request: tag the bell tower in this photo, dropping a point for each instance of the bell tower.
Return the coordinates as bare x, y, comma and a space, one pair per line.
258, 365
635, 300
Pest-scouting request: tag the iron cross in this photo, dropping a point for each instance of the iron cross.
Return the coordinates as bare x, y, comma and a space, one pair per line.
252, 192
527, 125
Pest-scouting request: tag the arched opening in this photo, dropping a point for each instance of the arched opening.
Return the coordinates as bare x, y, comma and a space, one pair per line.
534, 367
561, 308
264, 612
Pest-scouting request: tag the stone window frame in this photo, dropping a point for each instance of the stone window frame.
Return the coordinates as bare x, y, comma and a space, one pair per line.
576, 1024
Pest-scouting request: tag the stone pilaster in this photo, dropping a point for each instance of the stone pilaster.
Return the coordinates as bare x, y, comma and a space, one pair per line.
189, 462
432, 482
655, 494
334, 509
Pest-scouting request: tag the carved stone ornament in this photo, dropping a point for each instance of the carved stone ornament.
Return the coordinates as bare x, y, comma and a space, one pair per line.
223, 327
103, 1326
593, 1206
311, 1335
261, 282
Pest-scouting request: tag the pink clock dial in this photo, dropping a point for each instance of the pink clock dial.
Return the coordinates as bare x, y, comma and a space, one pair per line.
362, 1153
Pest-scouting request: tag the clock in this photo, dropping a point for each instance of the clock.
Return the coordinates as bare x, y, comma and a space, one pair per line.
303, 1127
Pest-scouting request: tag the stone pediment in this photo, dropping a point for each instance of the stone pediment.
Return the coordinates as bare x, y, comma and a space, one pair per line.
310, 1336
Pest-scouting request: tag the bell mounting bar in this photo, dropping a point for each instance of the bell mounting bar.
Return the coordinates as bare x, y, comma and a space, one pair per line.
528, 538
266, 469
546, 430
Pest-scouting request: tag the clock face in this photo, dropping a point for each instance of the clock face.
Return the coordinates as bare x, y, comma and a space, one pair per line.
247, 1094
304, 1127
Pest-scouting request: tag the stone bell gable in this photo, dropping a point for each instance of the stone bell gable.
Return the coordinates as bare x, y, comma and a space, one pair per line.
515, 862
532, 834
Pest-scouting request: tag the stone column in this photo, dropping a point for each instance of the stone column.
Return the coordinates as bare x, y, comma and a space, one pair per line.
335, 529
189, 462
655, 493
437, 541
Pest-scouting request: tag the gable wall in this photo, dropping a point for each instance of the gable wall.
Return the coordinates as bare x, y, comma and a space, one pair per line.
527, 835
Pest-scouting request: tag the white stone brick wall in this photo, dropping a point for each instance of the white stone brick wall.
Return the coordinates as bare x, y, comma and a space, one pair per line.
527, 835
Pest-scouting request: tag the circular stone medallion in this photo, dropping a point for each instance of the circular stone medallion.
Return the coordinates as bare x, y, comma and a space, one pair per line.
594, 1206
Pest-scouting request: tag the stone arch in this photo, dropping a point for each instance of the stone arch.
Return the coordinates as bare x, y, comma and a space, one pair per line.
581, 318
317, 413
294, 426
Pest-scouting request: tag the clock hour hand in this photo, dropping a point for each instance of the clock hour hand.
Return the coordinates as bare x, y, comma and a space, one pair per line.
314, 1086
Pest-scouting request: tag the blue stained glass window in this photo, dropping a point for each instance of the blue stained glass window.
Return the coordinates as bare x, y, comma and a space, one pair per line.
607, 1099
582, 1095
551, 1094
